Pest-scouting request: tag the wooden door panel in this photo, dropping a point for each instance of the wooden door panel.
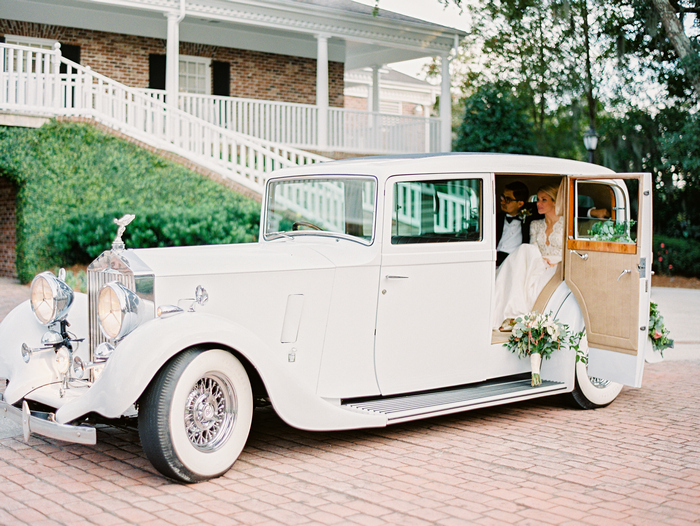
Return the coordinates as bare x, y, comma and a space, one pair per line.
606, 300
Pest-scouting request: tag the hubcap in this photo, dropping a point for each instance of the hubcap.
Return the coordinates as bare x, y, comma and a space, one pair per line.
600, 383
210, 412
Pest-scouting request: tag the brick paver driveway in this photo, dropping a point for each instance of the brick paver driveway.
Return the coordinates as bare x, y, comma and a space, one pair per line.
634, 462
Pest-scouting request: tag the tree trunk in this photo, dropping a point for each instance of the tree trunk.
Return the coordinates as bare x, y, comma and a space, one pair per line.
679, 40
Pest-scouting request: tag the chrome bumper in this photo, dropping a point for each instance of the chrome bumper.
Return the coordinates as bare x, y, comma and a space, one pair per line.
44, 424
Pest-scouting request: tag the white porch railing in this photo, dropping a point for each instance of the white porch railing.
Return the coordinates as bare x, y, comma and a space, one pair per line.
296, 124
31, 82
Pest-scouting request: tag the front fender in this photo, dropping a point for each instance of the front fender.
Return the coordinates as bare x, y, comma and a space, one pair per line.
20, 326
140, 356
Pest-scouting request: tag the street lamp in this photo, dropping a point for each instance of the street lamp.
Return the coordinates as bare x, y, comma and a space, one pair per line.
590, 141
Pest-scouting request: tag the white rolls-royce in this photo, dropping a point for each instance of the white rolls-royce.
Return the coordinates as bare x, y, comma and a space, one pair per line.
367, 301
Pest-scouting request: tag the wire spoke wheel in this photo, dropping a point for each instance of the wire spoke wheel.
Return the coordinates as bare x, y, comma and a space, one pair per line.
210, 413
195, 416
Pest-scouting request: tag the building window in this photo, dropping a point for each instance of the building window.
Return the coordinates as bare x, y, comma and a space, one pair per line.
41, 43
195, 74
24, 61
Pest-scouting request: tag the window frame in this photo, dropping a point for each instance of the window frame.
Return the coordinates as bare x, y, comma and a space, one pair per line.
186, 59
390, 207
573, 241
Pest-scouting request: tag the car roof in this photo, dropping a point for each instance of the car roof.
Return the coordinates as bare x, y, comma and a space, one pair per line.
458, 162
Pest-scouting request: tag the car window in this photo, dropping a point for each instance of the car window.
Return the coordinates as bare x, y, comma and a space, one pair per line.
322, 206
604, 212
436, 211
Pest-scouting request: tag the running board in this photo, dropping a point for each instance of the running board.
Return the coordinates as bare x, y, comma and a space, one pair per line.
403, 408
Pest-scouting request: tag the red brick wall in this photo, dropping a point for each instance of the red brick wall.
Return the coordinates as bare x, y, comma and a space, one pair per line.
7, 228
253, 75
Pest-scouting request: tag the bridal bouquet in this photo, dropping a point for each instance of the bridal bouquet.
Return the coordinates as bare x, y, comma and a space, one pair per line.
538, 336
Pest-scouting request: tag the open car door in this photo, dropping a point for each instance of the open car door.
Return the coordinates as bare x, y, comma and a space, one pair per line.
608, 269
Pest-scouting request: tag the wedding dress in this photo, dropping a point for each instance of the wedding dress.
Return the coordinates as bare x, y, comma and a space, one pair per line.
524, 273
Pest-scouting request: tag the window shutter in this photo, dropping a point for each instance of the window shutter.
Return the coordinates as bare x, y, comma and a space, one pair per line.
70, 52
221, 72
156, 71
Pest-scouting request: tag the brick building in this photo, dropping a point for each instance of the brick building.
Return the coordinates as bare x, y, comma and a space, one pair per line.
281, 51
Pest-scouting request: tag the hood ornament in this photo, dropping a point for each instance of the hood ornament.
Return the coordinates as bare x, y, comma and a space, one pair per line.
118, 244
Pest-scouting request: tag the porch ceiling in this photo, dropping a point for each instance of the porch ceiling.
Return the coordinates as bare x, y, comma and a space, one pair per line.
282, 26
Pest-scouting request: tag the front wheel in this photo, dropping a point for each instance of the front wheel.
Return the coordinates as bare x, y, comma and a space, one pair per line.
590, 392
195, 416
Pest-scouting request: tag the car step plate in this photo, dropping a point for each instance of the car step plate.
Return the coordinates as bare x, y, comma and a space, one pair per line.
402, 408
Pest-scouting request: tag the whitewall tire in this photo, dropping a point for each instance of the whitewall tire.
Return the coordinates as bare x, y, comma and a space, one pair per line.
590, 392
195, 416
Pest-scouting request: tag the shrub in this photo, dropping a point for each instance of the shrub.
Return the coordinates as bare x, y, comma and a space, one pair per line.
70, 172
673, 256
84, 236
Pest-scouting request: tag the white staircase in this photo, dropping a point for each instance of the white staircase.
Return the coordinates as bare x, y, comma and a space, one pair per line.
32, 82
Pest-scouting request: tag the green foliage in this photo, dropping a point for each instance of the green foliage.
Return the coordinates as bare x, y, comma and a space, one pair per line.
658, 333
69, 171
494, 121
614, 231
84, 236
676, 256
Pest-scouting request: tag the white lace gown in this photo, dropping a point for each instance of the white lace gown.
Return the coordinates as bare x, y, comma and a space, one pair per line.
523, 274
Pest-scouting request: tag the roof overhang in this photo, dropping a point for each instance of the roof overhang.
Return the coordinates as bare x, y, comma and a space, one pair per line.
284, 26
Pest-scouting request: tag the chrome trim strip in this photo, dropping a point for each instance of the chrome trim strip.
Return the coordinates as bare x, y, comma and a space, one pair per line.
44, 425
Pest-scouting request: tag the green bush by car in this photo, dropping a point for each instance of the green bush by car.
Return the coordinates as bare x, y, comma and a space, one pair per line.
73, 179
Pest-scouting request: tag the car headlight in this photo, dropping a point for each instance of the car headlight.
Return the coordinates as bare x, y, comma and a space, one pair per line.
119, 310
51, 298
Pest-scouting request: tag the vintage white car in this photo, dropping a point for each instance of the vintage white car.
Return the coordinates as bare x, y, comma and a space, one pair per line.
366, 302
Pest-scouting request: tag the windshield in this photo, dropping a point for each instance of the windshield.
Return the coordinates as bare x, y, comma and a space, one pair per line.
335, 205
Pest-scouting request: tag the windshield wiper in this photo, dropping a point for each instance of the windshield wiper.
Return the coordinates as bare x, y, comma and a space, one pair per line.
276, 235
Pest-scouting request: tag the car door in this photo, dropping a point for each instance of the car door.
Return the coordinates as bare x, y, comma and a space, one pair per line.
608, 267
433, 312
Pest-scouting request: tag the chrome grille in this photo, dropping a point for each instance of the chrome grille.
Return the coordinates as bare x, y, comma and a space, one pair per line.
96, 279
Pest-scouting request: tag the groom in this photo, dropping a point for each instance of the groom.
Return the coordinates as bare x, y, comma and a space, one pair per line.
513, 222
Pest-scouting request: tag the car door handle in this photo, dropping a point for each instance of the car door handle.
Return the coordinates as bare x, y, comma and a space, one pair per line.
582, 256
396, 277
626, 271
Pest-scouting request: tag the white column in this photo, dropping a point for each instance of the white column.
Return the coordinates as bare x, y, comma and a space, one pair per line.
375, 89
322, 90
172, 58
445, 106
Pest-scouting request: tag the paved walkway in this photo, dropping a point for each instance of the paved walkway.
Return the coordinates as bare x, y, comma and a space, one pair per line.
635, 462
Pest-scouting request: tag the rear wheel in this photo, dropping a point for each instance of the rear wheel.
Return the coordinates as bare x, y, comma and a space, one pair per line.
195, 416
590, 392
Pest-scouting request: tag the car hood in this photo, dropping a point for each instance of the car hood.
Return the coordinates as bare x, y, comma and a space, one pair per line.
231, 259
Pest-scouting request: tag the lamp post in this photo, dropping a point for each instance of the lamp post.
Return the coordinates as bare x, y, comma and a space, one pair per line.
590, 141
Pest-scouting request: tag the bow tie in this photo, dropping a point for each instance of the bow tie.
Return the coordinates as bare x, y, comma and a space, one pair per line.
511, 218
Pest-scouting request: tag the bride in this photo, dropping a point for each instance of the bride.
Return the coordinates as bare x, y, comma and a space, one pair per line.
523, 274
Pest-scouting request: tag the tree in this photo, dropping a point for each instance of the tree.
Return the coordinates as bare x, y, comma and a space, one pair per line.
495, 121
687, 52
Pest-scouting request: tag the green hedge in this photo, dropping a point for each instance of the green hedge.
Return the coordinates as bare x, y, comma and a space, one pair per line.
85, 236
676, 257
73, 180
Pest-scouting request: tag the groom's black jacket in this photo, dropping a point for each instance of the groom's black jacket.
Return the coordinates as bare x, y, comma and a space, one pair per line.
525, 225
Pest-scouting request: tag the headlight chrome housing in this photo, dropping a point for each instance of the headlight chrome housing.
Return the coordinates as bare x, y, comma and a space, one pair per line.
50, 297
119, 310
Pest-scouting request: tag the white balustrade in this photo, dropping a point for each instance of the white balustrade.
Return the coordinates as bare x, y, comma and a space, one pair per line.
296, 124
243, 139
31, 82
